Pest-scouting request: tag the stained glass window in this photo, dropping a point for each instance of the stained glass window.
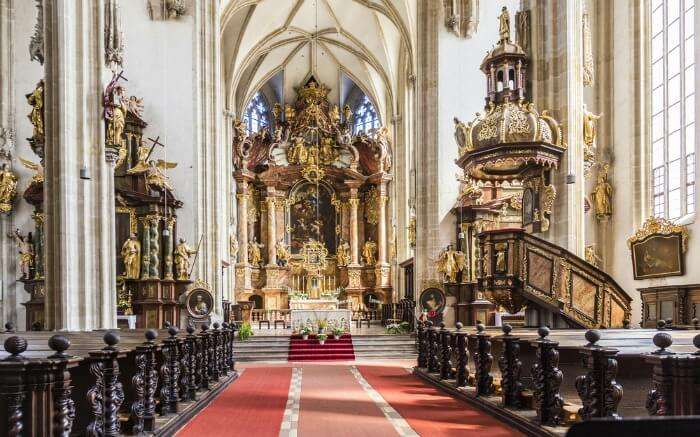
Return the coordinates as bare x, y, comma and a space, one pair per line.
365, 117
673, 107
256, 114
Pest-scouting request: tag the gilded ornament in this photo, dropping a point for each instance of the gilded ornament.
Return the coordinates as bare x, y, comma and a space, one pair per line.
412, 231
371, 201
282, 253
36, 116
155, 174
588, 61
254, 253
602, 194
590, 127
369, 252
8, 188
518, 122
343, 253
660, 226
591, 256
450, 262
233, 247
489, 127
38, 169
182, 255
131, 256
463, 136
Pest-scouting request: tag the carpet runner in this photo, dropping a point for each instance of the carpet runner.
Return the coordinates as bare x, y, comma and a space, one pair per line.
312, 350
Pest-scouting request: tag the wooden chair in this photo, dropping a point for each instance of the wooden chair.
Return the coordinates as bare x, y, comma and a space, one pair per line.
279, 318
363, 316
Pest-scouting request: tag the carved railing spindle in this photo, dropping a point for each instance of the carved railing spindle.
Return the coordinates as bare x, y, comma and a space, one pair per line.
444, 352
184, 381
510, 365
107, 395
484, 360
64, 407
13, 384
599, 392
205, 354
420, 339
141, 384
192, 363
433, 346
461, 367
170, 374
226, 349
215, 345
547, 379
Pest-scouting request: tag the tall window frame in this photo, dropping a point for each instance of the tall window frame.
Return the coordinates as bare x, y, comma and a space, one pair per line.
365, 117
257, 113
673, 107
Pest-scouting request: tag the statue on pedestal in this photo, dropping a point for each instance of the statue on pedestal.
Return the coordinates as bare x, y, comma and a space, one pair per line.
254, 254
504, 25
369, 252
450, 262
115, 107
182, 260
131, 253
282, 253
343, 253
26, 253
36, 116
602, 195
8, 188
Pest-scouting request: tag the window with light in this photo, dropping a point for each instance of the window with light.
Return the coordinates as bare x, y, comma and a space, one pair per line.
256, 114
365, 117
673, 107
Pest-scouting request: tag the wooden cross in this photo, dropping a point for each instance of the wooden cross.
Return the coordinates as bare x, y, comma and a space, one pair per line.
156, 142
120, 76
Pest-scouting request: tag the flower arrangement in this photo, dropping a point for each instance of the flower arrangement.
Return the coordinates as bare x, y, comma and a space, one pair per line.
305, 330
322, 325
322, 338
337, 331
397, 328
245, 332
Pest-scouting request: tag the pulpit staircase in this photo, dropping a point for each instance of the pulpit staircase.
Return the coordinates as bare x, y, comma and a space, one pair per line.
519, 270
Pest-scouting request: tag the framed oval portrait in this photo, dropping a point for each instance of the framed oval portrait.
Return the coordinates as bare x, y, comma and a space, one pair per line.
199, 303
433, 301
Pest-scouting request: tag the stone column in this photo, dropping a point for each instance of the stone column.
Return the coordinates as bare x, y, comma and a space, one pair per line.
145, 246
80, 267
39, 240
271, 227
354, 202
168, 249
381, 226
154, 253
242, 197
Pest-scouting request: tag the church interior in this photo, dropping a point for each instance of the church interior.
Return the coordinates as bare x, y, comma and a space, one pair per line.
349, 217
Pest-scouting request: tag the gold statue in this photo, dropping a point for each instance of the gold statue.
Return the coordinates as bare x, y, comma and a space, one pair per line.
328, 154
462, 136
501, 266
504, 25
591, 256
276, 111
26, 253
131, 254
334, 114
590, 130
182, 260
602, 195
254, 256
450, 262
297, 153
369, 252
347, 113
282, 253
8, 188
343, 253
233, 247
289, 113
36, 116
115, 107
155, 175
141, 165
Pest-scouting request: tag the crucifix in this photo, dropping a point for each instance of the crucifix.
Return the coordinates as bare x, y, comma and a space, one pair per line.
155, 142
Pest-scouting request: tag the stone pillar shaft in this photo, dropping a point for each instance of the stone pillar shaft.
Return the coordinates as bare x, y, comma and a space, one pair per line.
145, 247
242, 197
382, 227
271, 228
354, 234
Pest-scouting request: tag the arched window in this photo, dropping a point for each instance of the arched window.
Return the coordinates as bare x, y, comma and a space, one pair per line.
256, 114
673, 107
366, 117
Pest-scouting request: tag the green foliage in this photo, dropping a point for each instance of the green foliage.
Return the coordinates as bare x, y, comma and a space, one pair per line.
322, 337
245, 332
397, 328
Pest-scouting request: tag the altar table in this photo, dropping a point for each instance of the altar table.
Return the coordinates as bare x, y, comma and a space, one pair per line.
342, 317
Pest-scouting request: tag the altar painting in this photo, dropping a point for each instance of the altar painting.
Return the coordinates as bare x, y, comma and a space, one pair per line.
312, 217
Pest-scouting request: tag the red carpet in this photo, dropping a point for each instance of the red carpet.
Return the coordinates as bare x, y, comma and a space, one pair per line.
312, 350
251, 406
429, 411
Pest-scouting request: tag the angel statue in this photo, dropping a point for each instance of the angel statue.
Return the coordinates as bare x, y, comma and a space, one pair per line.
254, 255
38, 169
141, 165
282, 253
8, 188
26, 252
368, 252
155, 175
462, 136
450, 262
383, 153
182, 260
131, 254
36, 116
343, 253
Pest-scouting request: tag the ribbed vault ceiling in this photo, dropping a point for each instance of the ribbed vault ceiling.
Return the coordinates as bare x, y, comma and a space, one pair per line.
371, 41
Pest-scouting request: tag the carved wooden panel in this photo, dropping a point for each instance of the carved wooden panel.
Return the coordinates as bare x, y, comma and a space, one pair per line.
583, 293
539, 272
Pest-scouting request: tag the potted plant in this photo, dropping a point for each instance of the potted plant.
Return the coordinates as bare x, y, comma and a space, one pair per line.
322, 339
337, 332
305, 331
245, 332
322, 325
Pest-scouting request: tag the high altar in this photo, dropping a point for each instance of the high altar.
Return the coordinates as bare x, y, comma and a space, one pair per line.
313, 227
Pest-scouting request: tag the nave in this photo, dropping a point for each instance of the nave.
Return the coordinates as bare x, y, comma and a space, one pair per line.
360, 398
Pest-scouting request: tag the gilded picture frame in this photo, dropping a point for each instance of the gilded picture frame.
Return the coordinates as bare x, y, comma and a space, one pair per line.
658, 249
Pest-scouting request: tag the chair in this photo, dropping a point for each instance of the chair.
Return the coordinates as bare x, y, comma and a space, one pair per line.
363, 316
279, 318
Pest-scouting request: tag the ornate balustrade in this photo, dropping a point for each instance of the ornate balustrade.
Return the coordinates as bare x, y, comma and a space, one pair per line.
532, 401
95, 393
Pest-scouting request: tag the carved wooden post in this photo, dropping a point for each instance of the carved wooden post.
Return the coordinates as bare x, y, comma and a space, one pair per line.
63, 405
170, 374
547, 378
675, 381
141, 384
184, 380
462, 354
433, 359
483, 362
420, 337
226, 348
599, 392
215, 345
151, 381
192, 364
510, 366
107, 395
444, 352
205, 351
233, 343
12, 384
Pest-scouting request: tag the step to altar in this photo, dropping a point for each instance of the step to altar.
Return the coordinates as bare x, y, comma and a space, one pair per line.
311, 349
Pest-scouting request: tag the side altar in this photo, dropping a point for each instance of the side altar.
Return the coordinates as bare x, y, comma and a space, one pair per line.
313, 208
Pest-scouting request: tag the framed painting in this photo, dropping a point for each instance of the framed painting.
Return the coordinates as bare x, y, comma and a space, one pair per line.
658, 249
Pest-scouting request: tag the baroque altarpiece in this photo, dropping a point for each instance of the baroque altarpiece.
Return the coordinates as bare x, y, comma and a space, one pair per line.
313, 227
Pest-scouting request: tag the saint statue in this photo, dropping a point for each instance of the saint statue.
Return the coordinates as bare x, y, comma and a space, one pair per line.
141, 158
233, 247
461, 136
8, 188
297, 153
282, 253
347, 113
369, 252
602, 195
590, 130
327, 151
131, 254
450, 262
182, 260
26, 253
501, 266
200, 306
254, 256
591, 256
289, 113
343, 253
36, 116
504, 25
115, 107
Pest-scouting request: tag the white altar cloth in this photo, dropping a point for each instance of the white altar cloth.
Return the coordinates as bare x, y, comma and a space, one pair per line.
342, 317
